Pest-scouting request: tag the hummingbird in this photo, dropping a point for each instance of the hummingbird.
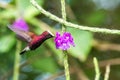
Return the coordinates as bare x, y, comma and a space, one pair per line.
33, 40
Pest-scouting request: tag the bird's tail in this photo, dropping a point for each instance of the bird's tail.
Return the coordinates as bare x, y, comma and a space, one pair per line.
25, 50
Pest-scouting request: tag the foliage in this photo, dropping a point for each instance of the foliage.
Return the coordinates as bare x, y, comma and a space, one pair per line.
47, 59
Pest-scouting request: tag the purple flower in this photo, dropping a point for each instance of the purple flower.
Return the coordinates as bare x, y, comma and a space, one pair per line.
20, 24
63, 42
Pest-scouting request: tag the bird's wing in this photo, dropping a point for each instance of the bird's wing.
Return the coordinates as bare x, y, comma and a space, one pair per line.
23, 35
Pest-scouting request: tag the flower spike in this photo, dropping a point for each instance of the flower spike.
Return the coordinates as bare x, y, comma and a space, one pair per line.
63, 42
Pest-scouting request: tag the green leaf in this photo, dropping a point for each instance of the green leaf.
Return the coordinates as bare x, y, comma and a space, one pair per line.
6, 43
83, 43
28, 9
8, 13
96, 18
45, 64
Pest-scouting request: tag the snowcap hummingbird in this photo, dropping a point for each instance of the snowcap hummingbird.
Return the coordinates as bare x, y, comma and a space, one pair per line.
33, 40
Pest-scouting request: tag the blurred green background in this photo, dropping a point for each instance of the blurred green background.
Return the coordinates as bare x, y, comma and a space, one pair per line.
46, 62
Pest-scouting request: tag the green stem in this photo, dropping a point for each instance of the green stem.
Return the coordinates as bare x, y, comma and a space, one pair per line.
66, 66
63, 14
107, 73
17, 61
62, 21
96, 68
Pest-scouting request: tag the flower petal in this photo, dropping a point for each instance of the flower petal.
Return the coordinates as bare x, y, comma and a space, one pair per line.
21, 25
63, 42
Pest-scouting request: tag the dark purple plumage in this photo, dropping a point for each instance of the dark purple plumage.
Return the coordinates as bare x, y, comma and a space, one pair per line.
37, 40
